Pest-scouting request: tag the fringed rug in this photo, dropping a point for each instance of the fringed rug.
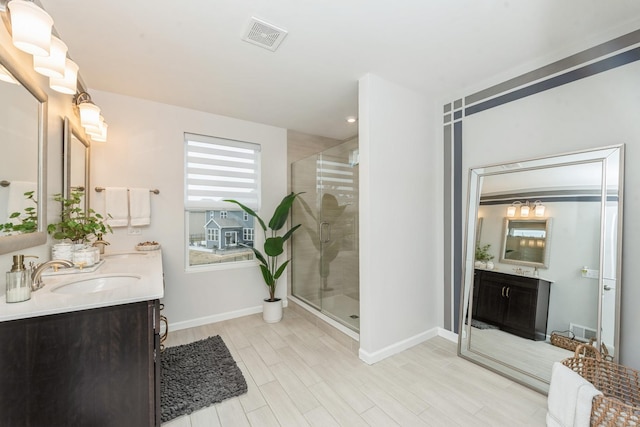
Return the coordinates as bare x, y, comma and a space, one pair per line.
197, 375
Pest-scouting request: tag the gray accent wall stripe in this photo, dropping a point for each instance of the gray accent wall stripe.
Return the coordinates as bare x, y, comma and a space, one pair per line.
568, 77
457, 219
453, 142
448, 224
564, 64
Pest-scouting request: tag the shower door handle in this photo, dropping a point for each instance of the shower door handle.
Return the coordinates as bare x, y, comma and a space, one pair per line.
325, 232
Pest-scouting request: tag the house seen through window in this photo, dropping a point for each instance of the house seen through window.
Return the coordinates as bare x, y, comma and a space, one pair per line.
217, 169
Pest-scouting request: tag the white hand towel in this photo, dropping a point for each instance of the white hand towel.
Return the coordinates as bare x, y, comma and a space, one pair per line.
567, 403
140, 206
17, 201
116, 203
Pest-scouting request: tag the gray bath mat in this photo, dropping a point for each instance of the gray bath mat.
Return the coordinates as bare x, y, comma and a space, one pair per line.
197, 375
481, 325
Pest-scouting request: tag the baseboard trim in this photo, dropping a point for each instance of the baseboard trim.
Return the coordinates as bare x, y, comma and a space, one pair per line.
451, 336
192, 323
377, 356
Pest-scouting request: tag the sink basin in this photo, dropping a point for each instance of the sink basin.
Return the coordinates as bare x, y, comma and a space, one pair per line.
96, 284
124, 255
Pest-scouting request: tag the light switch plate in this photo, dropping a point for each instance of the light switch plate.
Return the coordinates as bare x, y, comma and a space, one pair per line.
134, 231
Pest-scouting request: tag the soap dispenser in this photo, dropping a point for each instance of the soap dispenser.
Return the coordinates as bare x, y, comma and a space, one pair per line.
18, 281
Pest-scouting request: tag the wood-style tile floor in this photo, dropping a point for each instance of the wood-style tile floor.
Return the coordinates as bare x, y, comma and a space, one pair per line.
299, 376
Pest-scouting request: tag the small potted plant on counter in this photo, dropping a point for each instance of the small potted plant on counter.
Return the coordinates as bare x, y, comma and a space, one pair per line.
483, 257
77, 224
273, 248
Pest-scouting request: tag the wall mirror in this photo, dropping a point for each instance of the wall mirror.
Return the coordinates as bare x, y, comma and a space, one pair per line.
23, 118
508, 328
526, 242
76, 147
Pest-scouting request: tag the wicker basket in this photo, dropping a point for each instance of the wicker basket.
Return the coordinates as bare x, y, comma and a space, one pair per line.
619, 406
568, 343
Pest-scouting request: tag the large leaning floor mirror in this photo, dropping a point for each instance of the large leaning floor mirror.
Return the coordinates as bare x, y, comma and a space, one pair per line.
542, 262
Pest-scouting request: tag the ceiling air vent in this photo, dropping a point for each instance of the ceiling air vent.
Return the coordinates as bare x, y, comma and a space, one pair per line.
264, 34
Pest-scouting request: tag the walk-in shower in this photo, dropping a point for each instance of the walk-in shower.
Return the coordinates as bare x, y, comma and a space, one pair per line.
325, 249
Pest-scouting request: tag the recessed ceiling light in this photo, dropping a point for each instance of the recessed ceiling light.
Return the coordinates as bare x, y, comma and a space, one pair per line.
351, 119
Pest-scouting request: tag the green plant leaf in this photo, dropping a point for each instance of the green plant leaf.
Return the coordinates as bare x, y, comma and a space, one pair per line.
281, 213
281, 270
290, 232
268, 277
273, 246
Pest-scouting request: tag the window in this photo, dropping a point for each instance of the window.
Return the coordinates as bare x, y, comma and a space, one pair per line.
217, 169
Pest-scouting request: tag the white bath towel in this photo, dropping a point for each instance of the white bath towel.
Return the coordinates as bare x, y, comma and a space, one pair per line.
569, 399
116, 204
140, 206
17, 201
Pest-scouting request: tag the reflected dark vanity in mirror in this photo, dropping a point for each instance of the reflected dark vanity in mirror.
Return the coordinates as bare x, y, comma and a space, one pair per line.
23, 118
546, 279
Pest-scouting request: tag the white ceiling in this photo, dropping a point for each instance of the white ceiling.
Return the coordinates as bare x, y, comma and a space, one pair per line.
189, 53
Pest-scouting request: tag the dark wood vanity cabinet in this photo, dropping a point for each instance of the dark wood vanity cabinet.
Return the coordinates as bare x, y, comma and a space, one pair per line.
516, 304
86, 368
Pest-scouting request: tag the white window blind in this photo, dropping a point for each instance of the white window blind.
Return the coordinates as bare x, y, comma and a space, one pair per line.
218, 169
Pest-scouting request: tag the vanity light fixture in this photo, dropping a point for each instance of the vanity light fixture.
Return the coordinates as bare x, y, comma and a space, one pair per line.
30, 27
54, 64
525, 209
102, 136
68, 83
89, 112
351, 119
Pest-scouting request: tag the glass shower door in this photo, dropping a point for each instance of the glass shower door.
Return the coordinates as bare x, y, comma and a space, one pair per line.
325, 254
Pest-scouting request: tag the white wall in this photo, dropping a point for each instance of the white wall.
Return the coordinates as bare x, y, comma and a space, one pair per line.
145, 148
400, 178
596, 111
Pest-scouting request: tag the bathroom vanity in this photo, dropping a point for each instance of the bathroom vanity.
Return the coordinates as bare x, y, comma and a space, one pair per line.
85, 356
515, 303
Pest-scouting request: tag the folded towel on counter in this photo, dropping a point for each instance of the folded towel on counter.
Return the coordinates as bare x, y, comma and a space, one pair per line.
117, 206
569, 399
17, 201
140, 206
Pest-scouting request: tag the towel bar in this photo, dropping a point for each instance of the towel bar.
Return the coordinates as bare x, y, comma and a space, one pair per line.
101, 189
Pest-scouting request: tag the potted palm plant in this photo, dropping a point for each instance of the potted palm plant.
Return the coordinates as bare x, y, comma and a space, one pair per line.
273, 248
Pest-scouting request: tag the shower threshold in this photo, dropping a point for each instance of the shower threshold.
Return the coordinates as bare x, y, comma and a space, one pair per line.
347, 330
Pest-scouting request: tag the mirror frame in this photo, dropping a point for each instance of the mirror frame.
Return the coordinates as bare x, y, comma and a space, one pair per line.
14, 243
71, 131
602, 155
503, 246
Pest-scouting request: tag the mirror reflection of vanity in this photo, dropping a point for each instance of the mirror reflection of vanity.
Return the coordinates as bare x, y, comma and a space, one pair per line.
23, 117
76, 154
568, 281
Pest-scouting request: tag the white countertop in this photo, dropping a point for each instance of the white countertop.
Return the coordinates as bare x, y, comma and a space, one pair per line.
147, 265
528, 274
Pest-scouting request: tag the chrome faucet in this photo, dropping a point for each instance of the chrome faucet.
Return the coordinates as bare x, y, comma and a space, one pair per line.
36, 279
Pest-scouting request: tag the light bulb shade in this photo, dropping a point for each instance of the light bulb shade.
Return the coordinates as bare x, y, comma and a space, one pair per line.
52, 65
95, 130
524, 211
89, 115
539, 210
67, 84
103, 134
511, 211
30, 27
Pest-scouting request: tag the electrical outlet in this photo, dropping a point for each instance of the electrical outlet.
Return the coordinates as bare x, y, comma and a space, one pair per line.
134, 231
590, 274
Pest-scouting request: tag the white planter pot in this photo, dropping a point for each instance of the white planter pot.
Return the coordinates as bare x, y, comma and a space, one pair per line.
272, 311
